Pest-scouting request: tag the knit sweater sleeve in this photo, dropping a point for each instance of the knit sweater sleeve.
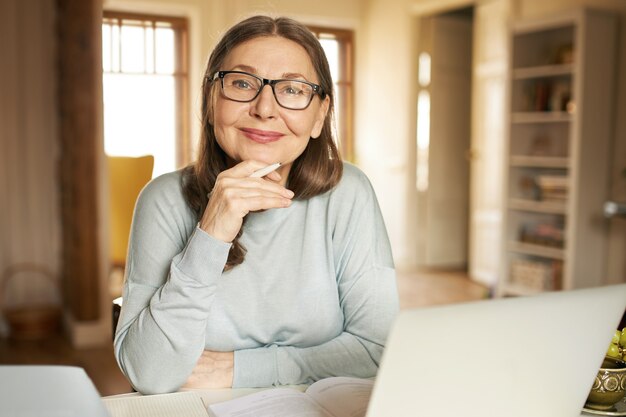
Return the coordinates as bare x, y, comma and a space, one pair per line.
367, 293
171, 274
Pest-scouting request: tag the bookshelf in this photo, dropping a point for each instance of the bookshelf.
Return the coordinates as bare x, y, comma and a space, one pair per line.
561, 81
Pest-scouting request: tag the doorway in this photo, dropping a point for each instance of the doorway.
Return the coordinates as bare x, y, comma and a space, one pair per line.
490, 62
443, 139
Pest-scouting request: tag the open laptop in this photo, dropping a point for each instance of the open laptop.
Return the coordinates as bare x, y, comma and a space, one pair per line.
48, 391
531, 356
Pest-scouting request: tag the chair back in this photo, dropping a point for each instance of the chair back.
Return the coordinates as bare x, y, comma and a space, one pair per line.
127, 176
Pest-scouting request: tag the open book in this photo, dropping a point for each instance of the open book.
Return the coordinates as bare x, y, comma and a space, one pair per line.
179, 404
330, 397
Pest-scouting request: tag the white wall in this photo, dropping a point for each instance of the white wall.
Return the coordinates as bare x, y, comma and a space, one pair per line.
385, 116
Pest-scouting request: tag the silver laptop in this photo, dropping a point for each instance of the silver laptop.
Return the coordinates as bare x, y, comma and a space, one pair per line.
514, 357
48, 391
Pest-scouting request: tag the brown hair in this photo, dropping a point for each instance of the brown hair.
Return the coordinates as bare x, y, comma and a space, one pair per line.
316, 171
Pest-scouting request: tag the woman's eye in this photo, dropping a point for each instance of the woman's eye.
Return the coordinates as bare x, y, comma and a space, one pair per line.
291, 91
242, 84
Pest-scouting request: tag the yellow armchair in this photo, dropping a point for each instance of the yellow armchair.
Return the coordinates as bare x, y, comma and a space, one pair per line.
127, 176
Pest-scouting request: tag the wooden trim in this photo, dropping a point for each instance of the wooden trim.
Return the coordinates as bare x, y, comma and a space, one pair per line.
176, 22
183, 141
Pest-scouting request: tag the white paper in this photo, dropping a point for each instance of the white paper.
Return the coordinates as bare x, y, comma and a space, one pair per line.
179, 404
330, 397
278, 402
343, 397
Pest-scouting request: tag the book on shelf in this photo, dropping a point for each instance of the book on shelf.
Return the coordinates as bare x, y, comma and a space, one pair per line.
544, 234
553, 181
553, 187
329, 397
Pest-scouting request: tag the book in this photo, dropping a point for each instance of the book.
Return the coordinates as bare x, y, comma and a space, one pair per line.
329, 397
180, 404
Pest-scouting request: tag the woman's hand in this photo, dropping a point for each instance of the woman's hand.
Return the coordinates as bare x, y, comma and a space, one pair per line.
213, 370
236, 194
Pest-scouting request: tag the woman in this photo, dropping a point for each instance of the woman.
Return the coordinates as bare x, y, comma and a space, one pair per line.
304, 288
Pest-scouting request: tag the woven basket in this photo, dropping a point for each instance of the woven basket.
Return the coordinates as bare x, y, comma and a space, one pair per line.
30, 321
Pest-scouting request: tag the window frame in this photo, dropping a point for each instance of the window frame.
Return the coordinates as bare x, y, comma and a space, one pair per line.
180, 26
345, 87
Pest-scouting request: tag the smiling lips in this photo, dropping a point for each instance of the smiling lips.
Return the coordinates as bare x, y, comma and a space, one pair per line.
261, 136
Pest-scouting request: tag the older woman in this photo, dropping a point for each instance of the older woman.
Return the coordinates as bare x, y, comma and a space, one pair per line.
247, 278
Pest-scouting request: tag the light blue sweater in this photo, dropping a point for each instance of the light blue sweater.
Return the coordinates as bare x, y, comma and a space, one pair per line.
314, 298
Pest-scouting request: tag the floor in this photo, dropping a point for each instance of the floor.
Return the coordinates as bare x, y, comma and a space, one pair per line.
415, 289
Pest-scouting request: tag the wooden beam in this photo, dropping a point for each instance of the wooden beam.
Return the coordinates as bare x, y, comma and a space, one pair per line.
80, 128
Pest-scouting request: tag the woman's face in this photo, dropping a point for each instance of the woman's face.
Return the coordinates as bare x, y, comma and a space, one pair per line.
261, 129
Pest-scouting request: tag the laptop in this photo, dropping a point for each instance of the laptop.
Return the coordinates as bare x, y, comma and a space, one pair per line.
49, 390
533, 356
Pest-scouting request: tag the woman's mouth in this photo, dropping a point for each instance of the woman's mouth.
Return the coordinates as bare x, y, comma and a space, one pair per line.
261, 136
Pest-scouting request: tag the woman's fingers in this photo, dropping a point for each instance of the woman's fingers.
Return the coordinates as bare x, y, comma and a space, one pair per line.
235, 194
241, 201
245, 169
225, 184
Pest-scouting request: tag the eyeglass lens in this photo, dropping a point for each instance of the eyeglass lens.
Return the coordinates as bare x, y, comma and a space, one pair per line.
292, 94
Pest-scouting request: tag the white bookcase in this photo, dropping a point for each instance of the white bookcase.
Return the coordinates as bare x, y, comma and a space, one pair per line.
561, 84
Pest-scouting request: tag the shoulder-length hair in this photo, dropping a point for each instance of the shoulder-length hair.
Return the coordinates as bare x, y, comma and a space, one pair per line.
315, 171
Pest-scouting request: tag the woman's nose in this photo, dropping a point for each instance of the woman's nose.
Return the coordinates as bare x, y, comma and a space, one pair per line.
265, 105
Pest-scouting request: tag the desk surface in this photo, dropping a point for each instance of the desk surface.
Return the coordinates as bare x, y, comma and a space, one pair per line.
218, 395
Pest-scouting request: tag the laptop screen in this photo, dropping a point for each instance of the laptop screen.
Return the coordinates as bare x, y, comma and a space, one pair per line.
40, 391
527, 356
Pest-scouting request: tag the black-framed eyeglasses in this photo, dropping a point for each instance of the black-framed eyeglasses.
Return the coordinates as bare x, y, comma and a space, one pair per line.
244, 87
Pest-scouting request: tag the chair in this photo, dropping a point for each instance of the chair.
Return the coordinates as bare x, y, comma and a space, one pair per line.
127, 176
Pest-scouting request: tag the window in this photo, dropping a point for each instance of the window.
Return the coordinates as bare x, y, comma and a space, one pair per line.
423, 122
145, 88
338, 45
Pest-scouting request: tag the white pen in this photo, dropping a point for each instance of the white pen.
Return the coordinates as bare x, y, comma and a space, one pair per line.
264, 171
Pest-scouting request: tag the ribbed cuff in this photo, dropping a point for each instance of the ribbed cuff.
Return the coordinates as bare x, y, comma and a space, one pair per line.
255, 368
204, 256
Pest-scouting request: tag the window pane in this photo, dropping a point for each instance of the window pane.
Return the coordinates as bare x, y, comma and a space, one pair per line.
331, 48
106, 48
132, 49
165, 53
423, 120
115, 48
423, 139
424, 69
139, 114
149, 50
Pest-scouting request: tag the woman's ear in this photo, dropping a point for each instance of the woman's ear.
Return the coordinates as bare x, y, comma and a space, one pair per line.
318, 124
